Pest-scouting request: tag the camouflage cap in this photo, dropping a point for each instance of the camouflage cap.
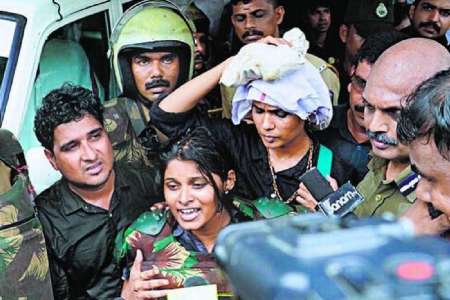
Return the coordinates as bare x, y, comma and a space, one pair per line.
10, 148
370, 16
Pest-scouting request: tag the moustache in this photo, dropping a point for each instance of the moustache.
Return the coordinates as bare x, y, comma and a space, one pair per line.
157, 83
382, 138
199, 57
359, 108
252, 32
435, 26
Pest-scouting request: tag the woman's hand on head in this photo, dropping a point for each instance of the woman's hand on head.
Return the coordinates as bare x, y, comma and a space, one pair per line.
142, 285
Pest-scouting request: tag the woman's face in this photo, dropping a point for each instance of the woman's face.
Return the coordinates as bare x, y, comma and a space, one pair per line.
277, 128
189, 195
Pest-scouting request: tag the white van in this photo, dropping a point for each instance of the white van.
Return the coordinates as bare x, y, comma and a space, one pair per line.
44, 44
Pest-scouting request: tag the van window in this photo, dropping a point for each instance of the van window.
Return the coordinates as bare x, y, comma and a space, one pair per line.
127, 5
11, 31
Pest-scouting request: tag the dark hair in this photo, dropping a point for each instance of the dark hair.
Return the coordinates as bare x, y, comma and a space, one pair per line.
275, 3
377, 43
66, 104
199, 146
427, 113
311, 5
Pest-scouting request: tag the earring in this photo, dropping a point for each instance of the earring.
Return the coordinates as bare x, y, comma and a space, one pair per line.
226, 192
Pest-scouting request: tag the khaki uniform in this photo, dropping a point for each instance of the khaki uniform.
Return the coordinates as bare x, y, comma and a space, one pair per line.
385, 196
125, 124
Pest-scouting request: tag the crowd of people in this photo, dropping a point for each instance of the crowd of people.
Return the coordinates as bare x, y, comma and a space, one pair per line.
217, 126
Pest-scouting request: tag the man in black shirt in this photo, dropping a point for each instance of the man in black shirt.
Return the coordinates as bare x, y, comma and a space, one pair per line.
82, 213
318, 18
346, 135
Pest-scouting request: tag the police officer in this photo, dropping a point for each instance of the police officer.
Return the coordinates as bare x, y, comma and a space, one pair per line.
390, 184
361, 19
152, 53
24, 267
347, 134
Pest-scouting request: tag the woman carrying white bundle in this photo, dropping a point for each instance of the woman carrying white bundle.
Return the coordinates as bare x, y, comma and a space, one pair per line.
278, 145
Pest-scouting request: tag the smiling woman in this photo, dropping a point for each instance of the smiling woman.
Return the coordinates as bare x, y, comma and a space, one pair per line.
176, 243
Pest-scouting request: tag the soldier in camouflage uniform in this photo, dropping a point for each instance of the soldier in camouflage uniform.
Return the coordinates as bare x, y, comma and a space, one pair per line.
24, 268
152, 53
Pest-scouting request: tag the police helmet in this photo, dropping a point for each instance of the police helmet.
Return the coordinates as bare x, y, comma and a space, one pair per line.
151, 26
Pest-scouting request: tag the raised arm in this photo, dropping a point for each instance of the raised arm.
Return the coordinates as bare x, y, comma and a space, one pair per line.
189, 94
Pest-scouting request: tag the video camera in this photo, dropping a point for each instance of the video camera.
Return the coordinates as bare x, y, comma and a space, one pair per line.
319, 257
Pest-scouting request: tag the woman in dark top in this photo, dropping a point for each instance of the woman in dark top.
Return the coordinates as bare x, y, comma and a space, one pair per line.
176, 244
271, 154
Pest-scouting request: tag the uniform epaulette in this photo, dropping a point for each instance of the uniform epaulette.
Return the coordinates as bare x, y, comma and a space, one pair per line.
150, 222
262, 208
407, 184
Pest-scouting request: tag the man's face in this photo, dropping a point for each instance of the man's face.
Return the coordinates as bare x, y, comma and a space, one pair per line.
434, 185
155, 73
201, 56
353, 42
319, 19
255, 20
431, 18
82, 152
356, 88
382, 104
277, 128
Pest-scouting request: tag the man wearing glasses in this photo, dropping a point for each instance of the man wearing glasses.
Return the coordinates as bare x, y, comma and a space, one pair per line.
346, 134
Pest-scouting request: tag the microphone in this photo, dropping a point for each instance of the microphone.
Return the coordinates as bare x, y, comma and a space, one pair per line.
331, 203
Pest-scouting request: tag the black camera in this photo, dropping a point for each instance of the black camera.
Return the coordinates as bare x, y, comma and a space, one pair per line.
319, 257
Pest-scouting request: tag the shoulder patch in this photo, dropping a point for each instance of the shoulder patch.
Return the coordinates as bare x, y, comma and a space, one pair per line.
150, 222
110, 125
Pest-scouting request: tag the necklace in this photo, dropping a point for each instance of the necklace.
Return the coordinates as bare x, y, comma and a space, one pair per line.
276, 193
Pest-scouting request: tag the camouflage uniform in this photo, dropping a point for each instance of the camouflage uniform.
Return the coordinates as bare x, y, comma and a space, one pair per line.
24, 268
149, 26
131, 139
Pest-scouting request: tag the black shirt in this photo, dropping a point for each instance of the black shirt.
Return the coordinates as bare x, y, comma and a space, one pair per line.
80, 236
247, 153
338, 138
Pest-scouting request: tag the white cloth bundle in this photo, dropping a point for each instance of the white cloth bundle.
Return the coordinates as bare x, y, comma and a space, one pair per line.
279, 76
